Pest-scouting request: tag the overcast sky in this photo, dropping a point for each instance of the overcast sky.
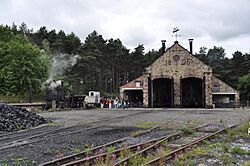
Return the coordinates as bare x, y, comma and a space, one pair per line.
223, 23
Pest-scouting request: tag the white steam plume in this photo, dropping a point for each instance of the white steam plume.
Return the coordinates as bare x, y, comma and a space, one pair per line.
60, 63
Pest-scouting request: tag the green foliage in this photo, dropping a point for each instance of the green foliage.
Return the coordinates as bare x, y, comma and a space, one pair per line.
18, 161
228, 70
125, 153
110, 149
104, 64
21, 63
216, 144
227, 160
75, 150
4, 163
137, 160
147, 125
49, 152
186, 162
225, 147
244, 128
54, 124
205, 142
239, 151
244, 86
151, 56
186, 130
246, 163
199, 151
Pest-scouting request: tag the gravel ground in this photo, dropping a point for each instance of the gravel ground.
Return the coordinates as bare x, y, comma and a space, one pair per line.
61, 143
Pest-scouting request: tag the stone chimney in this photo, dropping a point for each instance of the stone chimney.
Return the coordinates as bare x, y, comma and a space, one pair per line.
163, 46
191, 45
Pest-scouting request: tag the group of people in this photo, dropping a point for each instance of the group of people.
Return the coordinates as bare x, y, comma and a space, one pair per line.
114, 103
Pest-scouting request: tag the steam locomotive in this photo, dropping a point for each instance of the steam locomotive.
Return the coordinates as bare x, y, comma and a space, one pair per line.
61, 99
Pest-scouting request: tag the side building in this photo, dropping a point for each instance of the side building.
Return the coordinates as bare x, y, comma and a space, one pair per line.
177, 79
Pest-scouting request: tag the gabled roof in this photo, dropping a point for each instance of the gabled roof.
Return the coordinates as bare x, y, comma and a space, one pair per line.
132, 84
169, 49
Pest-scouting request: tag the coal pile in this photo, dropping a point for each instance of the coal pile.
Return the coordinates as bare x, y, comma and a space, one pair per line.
14, 118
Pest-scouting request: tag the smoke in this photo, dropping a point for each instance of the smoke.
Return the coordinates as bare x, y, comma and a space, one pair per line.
59, 64
52, 84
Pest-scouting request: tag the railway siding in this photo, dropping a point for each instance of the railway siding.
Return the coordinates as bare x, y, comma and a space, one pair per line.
66, 144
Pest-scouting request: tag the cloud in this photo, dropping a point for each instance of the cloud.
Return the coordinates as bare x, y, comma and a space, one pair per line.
139, 21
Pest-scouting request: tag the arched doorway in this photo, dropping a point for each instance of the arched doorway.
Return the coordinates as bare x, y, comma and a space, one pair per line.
192, 92
163, 92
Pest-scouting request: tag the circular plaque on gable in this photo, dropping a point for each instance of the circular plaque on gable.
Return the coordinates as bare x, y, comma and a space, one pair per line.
176, 58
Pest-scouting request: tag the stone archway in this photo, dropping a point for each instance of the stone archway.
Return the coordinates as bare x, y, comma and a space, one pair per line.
192, 92
163, 92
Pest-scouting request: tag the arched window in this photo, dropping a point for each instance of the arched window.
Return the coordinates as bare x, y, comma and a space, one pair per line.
216, 88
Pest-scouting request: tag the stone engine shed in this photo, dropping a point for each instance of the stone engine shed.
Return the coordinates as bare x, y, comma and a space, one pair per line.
178, 79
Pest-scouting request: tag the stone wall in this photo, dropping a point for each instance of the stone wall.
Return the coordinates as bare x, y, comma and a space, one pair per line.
177, 63
220, 86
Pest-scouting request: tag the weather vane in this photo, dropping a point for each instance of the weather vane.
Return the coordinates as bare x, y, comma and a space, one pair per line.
175, 30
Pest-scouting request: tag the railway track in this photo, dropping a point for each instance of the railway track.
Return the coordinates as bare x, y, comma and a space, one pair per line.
83, 154
89, 157
161, 158
185, 147
144, 149
13, 140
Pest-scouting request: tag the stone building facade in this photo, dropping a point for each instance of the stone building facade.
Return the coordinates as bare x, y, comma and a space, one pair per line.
178, 79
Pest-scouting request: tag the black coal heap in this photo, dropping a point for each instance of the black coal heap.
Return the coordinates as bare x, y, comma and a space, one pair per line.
14, 118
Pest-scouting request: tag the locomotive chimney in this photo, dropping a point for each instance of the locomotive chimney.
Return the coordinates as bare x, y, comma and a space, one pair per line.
191, 45
163, 46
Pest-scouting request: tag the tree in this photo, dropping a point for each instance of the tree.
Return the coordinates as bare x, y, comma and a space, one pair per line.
137, 58
23, 29
87, 73
244, 87
41, 35
117, 56
72, 44
151, 56
21, 63
202, 55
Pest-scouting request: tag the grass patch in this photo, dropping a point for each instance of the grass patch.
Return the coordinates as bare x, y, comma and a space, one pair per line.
53, 124
239, 151
186, 130
246, 163
186, 159
244, 129
225, 147
216, 144
137, 160
186, 162
110, 149
200, 151
205, 142
20, 127
125, 153
49, 152
75, 150
4, 163
197, 152
226, 160
232, 132
141, 160
147, 125
19, 99
18, 161
241, 131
